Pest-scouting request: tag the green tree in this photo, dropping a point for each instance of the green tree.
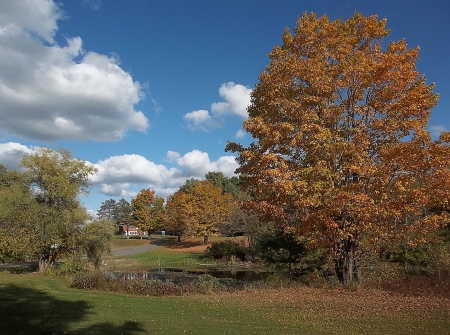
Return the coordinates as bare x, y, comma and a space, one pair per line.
187, 185
228, 185
107, 211
123, 213
18, 212
57, 179
96, 240
341, 154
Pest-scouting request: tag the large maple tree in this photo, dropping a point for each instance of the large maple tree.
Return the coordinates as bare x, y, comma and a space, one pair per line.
341, 153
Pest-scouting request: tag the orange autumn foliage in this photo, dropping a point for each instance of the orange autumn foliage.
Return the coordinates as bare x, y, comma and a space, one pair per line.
341, 152
199, 211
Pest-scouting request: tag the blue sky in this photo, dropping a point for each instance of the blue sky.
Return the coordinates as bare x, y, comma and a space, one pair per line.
149, 91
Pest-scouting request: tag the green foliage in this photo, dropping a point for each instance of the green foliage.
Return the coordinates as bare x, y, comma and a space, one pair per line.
108, 211
226, 250
56, 180
228, 185
286, 250
123, 212
187, 185
96, 240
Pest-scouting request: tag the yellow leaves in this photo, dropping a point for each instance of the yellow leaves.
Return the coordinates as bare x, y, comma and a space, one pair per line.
199, 211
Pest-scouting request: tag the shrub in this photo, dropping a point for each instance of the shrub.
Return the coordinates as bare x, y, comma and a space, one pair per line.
226, 250
207, 283
87, 280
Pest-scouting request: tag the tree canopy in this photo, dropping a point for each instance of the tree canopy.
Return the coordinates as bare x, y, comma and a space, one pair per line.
148, 211
341, 152
56, 180
200, 211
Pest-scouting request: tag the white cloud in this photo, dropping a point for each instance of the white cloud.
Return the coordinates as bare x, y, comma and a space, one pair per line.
436, 131
237, 98
200, 120
124, 175
11, 154
131, 169
172, 156
50, 92
240, 133
197, 163
37, 16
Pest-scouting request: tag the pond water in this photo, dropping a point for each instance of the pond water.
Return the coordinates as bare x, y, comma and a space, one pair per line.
236, 274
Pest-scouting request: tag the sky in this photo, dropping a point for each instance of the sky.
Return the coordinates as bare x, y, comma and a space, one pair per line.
150, 91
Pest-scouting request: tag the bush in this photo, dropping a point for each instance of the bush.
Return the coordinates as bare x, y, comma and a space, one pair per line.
226, 250
207, 283
87, 280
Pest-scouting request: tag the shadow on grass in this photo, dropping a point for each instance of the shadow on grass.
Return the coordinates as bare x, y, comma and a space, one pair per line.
28, 311
20, 269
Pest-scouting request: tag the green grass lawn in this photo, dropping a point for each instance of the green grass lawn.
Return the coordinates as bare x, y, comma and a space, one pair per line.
34, 304
171, 254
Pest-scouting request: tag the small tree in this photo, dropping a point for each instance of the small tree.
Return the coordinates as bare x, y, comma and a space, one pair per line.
148, 211
341, 154
209, 207
108, 211
178, 218
123, 214
96, 240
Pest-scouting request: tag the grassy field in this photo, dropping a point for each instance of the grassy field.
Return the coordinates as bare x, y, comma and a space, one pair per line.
190, 252
35, 304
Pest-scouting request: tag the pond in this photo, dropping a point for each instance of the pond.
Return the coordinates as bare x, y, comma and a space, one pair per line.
227, 274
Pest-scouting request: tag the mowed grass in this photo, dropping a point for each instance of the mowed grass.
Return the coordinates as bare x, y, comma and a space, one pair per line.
188, 253
35, 304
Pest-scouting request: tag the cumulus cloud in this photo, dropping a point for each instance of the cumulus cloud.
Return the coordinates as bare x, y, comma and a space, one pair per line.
172, 156
237, 98
11, 154
123, 175
197, 163
132, 169
50, 92
200, 120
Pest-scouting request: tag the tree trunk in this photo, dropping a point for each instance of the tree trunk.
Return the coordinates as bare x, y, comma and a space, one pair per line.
347, 262
179, 237
205, 239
